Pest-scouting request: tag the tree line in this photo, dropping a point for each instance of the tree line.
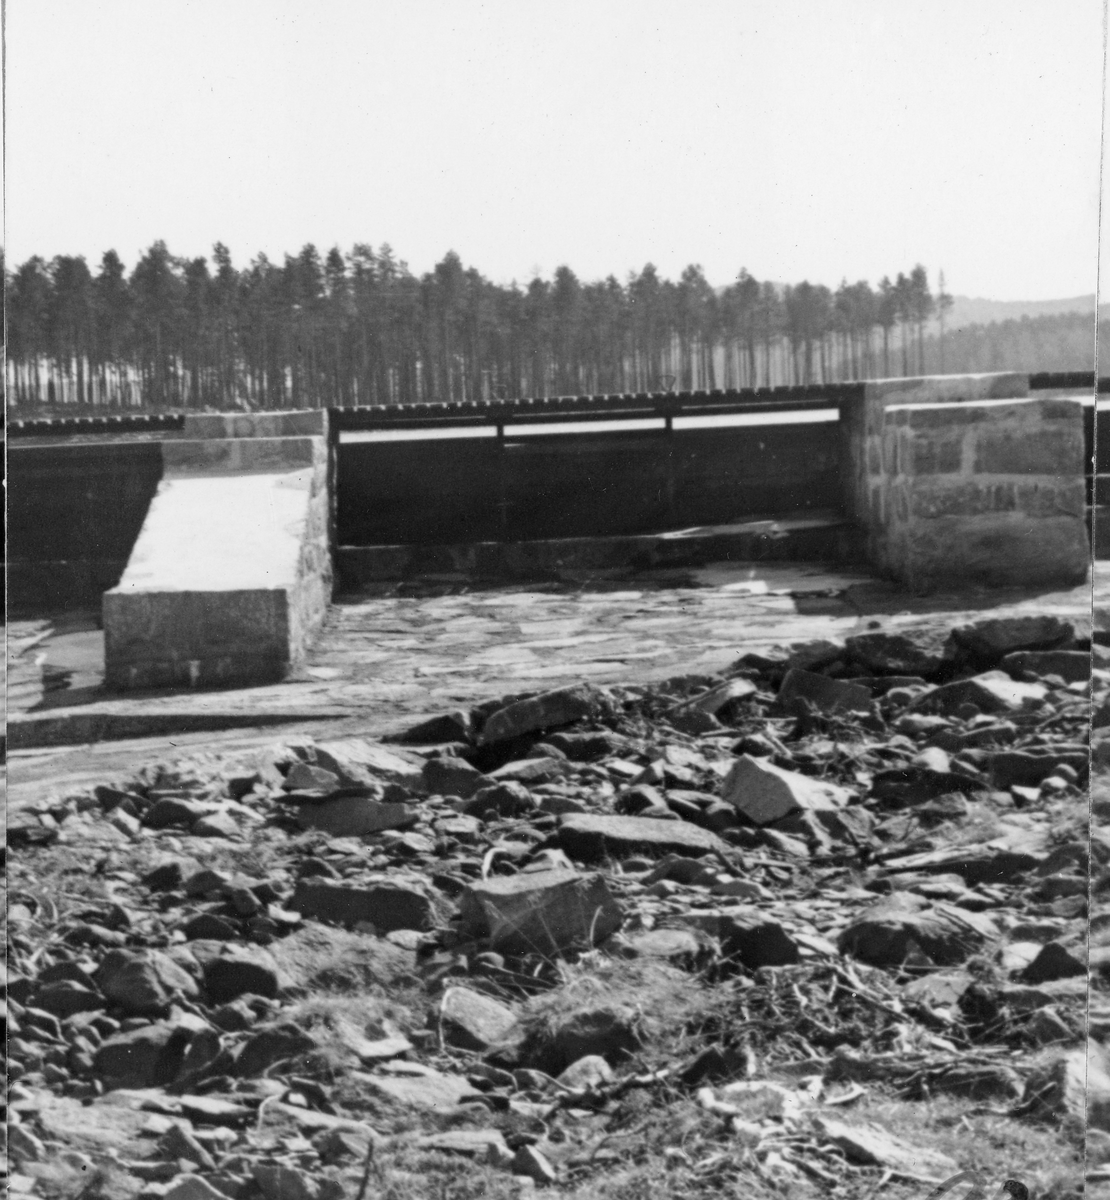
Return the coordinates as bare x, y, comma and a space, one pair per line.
360, 328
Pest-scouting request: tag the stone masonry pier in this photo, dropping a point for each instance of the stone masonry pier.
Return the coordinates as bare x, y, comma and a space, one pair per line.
231, 574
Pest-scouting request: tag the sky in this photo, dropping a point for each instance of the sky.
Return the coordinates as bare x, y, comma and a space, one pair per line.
816, 139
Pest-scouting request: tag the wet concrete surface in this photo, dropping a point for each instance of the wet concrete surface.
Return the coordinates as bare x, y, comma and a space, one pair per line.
386, 660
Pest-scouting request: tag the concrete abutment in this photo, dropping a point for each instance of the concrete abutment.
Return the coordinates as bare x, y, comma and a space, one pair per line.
950, 479
231, 574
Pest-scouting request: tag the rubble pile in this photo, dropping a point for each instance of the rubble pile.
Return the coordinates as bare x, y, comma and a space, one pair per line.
721, 923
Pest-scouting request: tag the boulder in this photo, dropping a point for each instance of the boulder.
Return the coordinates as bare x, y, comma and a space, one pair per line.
545, 912
590, 838
563, 706
473, 1021
886, 935
766, 793
386, 906
825, 694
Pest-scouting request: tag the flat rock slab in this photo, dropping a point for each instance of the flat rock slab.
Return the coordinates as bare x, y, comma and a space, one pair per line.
355, 816
540, 911
590, 838
874, 1146
430, 1090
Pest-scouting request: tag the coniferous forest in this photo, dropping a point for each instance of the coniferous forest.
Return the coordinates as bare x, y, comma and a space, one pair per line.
360, 328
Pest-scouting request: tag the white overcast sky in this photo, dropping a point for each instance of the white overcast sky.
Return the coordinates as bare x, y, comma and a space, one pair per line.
815, 139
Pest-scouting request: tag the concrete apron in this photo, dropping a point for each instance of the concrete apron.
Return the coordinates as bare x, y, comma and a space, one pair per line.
231, 574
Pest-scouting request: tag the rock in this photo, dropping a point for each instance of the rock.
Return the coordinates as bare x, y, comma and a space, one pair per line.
608, 1031
873, 1146
452, 777
811, 656
178, 1142
65, 997
591, 746
712, 701
825, 694
532, 771
1072, 666
239, 970
358, 761
143, 982
473, 1021
192, 1187
529, 1162
1073, 1087
175, 810
1054, 961
510, 799
546, 711
284, 1042
386, 906
590, 838
487, 1144
325, 958
990, 692
147, 1057
1028, 768
747, 936
355, 816
217, 824
766, 793
429, 1089
990, 640
590, 1071
544, 912
682, 947
886, 935
303, 777
23, 1146
895, 654
457, 726
278, 1182
208, 927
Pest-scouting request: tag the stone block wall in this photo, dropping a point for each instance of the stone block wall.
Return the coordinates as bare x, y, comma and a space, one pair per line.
861, 425
231, 574
985, 492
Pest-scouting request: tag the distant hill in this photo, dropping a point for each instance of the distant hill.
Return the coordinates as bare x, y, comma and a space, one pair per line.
969, 310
